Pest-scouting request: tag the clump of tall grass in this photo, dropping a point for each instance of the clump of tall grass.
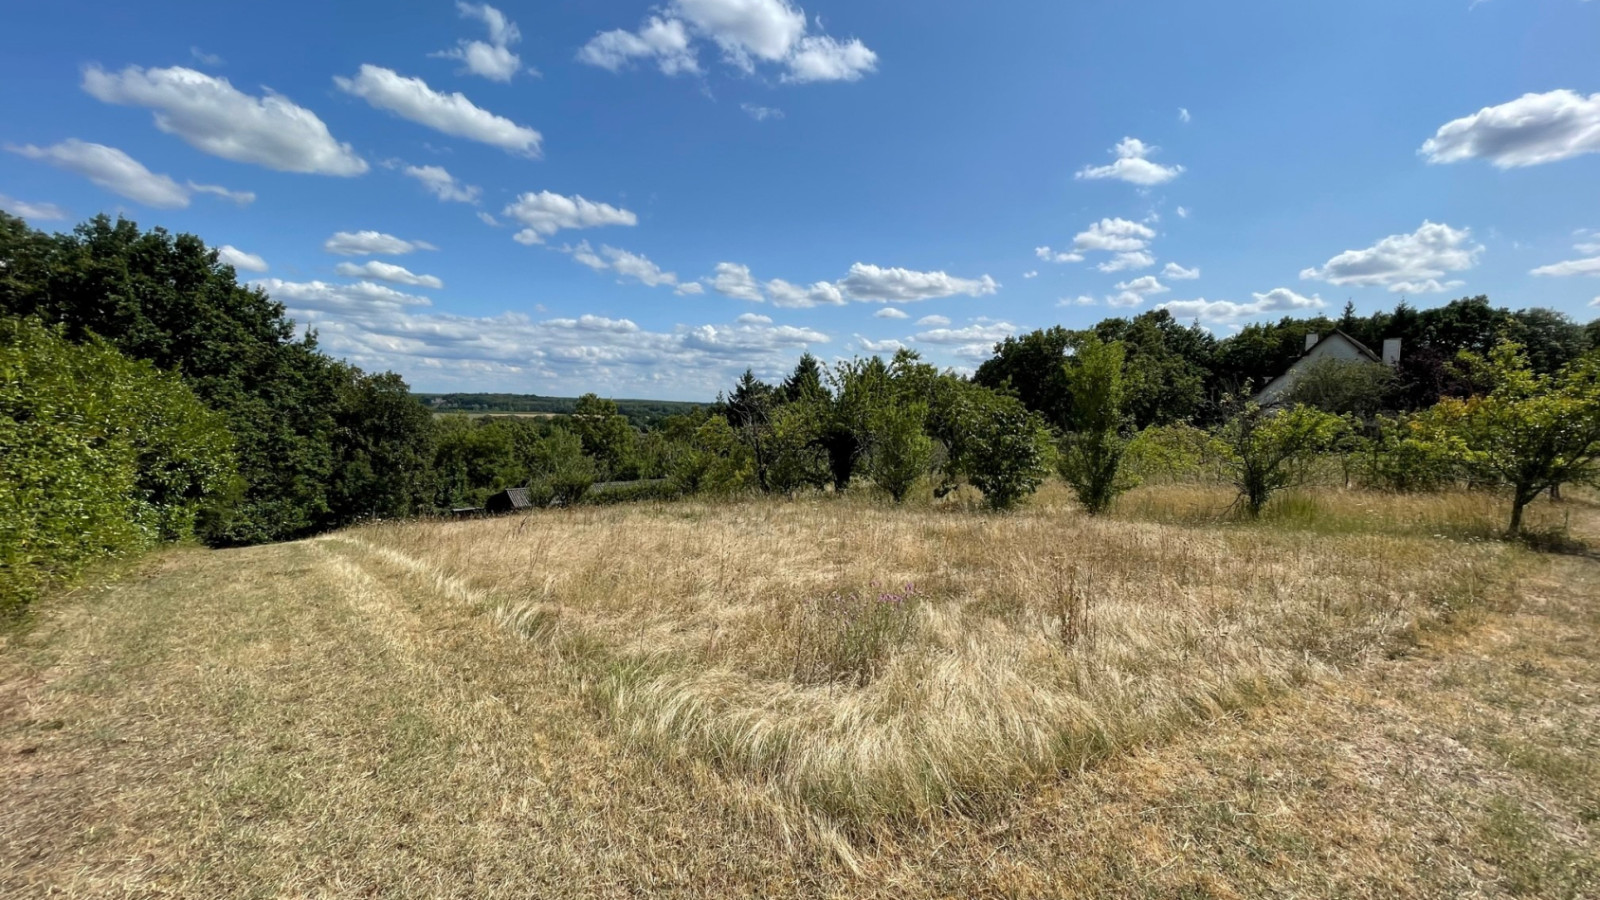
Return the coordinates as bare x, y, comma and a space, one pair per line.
849, 638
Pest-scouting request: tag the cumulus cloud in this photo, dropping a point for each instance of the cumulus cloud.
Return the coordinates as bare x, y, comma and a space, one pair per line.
443, 185
492, 59
1031, 273
1528, 131
43, 212
979, 332
452, 114
747, 32
545, 213
1277, 300
1179, 273
1057, 256
1144, 286
387, 272
1587, 243
932, 321
662, 41
1114, 236
890, 312
1410, 263
363, 296
211, 115
111, 169
366, 243
1122, 262
734, 280
230, 255
1133, 166
794, 296
1080, 300
628, 266
883, 285
889, 345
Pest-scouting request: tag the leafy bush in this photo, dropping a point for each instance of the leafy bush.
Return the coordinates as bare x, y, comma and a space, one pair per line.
900, 450
1092, 453
99, 455
1004, 449
561, 471
1270, 450
1175, 453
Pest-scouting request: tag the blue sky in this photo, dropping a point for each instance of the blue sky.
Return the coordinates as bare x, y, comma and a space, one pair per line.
641, 200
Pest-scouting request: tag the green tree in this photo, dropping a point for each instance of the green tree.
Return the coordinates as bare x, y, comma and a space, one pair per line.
383, 445
1029, 368
607, 437
1267, 451
1343, 387
901, 451
1530, 432
561, 472
1091, 457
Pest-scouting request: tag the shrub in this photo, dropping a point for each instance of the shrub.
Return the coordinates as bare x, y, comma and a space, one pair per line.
99, 455
1175, 453
1270, 450
900, 451
561, 472
1091, 454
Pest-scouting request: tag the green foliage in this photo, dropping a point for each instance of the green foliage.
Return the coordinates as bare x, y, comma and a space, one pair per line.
714, 460
1174, 453
1343, 387
1529, 432
384, 449
607, 437
1028, 367
473, 460
799, 458
1406, 454
560, 472
991, 440
1092, 452
1268, 451
99, 455
900, 451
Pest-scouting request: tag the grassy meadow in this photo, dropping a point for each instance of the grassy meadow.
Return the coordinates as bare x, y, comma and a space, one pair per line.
1359, 695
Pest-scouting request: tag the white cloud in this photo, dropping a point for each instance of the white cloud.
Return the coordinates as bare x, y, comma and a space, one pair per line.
980, 332
628, 266
873, 283
230, 255
932, 321
452, 114
204, 58
1590, 266
890, 312
1080, 300
747, 32
688, 288
1132, 166
1528, 131
1183, 213
793, 296
1122, 262
325, 297
889, 345
1055, 256
734, 280
488, 219
493, 59
43, 212
761, 113
1114, 236
111, 169
1125, 299
1411, 263
213, 116
1179, 273
1183, 115
364, 243
387, 272
243, 198
1274, 301
754, 319
822, 58
443, 185
545, 213
1145, 286
1032, 273
1595, 302
666, 41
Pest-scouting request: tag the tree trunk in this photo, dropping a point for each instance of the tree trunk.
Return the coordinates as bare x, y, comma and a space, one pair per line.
1555, 493
1517, 505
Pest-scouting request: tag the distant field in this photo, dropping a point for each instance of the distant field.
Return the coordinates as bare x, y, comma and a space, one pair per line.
1358, 696
639, 412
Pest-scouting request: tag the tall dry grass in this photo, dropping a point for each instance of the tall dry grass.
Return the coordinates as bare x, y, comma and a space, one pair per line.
1032, 643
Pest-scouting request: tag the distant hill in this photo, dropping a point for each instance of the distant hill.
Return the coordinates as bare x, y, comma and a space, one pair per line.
641, 413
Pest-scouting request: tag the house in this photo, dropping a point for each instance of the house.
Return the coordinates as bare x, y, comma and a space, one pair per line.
1336, 346
509, 501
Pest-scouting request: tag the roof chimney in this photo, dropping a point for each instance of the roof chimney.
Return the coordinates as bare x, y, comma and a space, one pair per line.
1311, 340
1391, 352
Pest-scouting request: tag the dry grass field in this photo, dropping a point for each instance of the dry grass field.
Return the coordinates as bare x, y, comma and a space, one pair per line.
1360, 695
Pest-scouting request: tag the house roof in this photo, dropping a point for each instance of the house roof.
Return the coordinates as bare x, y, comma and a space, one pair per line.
1361, 348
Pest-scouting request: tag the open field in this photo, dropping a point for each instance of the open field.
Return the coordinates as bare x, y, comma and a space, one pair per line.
1357, 697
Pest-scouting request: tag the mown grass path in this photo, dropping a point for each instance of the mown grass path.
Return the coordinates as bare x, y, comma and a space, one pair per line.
315, 719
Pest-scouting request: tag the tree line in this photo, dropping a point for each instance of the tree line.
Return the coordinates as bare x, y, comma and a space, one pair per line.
146, 396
